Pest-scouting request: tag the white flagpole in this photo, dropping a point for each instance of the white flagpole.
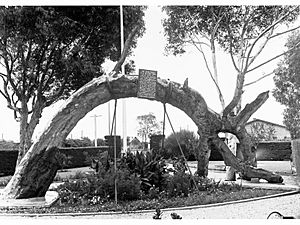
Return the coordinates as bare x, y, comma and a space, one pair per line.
123, 72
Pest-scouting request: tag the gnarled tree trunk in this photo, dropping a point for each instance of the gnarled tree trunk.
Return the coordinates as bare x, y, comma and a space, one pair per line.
37, 168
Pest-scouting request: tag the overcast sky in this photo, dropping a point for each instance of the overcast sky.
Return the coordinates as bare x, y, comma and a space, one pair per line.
149, 54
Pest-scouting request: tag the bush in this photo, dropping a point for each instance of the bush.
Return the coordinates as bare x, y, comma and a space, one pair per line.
100, 188
188, 142
84, 142
179, 185
150, 167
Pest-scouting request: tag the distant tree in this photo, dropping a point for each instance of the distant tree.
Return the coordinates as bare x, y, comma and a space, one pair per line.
287, 82
100, 142
84, 142
147, 126
49, 52
261, 132
188, 141
8, 145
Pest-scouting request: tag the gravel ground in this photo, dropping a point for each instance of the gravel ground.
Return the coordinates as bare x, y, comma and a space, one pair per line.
260, 209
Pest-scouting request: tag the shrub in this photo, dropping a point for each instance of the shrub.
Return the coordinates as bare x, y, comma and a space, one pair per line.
101, 188
84, 142
188, 142
150, 167
179, 185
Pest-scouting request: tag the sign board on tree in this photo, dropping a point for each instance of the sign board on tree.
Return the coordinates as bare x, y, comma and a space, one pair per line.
147, 84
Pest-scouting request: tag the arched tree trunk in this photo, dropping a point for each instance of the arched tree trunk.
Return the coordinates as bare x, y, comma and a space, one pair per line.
37, 168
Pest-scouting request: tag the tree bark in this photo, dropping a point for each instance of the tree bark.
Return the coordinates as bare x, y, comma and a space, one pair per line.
100, 91
27, 127
244, 168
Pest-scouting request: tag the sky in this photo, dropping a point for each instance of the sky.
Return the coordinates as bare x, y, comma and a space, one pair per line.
150, 54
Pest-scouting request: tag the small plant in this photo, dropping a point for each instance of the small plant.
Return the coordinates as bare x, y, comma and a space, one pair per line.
179, 185
175, 216
158, 214
63, 160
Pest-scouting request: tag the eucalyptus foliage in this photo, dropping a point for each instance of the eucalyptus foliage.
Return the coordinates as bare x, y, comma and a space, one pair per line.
287, 82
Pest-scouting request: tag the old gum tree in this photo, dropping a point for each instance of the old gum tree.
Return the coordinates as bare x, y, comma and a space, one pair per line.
38, 167
46, 53
287, 82
243, 32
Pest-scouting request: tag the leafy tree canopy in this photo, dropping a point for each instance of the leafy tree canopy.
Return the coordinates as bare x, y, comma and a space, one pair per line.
58, 49
287, 82
188, 142
148, 125
227, 24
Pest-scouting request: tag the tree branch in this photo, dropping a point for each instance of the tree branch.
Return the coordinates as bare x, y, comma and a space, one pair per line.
210, 73
275, 57
250, 109
264, 32
261, 48
243, 168
124, 53
284, 32
264, 76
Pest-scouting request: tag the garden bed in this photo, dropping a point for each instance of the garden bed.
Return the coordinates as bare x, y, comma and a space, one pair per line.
144, 182
228, 194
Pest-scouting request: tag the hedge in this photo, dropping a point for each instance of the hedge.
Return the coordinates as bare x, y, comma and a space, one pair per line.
274, 151
266, 151
76, 155
8, 161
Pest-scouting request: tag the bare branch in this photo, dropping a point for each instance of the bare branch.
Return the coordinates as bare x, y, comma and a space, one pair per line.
264, 76
284, 32
275, 57
264, 32
261, 47
210, 73
214, 76
251, 108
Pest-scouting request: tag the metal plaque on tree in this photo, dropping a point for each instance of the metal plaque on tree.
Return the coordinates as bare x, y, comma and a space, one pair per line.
147, 84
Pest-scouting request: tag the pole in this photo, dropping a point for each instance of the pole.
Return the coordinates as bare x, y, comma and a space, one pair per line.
123, 72
114, 127
109, 117
115, 156
95, 127
164, 127
185, 161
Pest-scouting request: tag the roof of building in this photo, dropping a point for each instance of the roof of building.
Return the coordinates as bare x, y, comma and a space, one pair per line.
266, 122
135, 141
